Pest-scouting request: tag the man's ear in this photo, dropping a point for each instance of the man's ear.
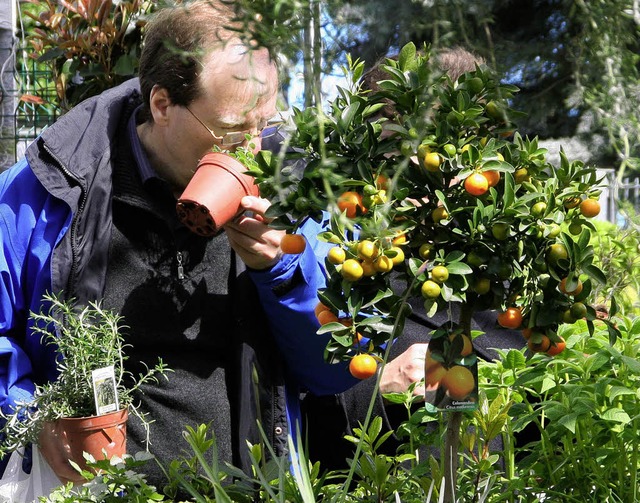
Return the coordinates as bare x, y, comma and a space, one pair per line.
159, 103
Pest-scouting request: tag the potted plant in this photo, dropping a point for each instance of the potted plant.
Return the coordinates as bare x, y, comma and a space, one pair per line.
446, 199
212, 197
86, 408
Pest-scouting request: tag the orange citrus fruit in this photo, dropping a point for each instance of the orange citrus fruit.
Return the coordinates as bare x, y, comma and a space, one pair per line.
493, 177
325, 317
434, 372
349, 202
319, 308
467, 346
293, 244
459, 382
539, 344
476, 184
557, 347
589, 208
363, 366
511, 318
563, 287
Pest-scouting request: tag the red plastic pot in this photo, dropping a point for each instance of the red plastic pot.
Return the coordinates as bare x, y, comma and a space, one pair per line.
68, 438
213, 195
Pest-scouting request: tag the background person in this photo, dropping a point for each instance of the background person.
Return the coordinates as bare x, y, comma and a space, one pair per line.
329, 418
90, 212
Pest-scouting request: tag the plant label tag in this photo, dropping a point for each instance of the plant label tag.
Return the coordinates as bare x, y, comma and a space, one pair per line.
451, 373
105, 391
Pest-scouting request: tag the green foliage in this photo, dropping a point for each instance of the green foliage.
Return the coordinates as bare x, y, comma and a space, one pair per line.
617, 253
407, 175
86, 339
584, 406
89, 45
116, 480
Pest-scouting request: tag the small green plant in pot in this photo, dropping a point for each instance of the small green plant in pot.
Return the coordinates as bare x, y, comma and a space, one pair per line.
90, 399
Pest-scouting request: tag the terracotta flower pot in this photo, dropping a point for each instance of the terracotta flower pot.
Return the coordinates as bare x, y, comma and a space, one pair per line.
68, 438
213, 195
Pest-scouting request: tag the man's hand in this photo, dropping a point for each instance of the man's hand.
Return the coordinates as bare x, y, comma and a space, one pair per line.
257, 244
408, 368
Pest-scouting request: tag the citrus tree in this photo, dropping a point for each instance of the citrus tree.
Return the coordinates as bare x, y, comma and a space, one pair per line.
442, 199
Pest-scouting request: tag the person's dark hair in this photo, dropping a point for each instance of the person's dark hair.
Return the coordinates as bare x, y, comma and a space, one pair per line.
175, 43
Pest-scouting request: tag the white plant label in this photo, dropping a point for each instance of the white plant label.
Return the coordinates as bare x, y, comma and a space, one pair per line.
105, 391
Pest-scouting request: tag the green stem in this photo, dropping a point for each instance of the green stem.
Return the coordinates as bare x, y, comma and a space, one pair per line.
634, 460
452, 437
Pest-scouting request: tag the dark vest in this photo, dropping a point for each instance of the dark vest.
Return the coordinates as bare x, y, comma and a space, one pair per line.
188, 300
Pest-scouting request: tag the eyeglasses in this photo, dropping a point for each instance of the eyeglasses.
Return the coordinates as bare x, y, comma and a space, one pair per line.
237, 137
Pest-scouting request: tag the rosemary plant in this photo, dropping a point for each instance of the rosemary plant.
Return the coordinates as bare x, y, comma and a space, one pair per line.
87, 339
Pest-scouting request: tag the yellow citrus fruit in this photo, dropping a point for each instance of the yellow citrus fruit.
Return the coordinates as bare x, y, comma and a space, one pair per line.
383, 264
440, 274
459, 382
336, 255
399, 256
367, 268
430, 289
439, 214
426, 251
351, 270
400, 239
367, 250
521, 175
432, 162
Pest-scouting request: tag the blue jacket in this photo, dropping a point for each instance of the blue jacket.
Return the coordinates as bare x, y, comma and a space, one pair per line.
55, 225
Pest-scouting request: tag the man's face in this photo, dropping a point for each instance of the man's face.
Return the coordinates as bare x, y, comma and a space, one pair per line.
239, 96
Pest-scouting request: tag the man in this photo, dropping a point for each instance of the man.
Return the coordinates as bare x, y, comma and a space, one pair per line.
90, 212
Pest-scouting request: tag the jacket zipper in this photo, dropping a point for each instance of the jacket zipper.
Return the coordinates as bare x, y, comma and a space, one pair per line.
74, 221
180, 267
